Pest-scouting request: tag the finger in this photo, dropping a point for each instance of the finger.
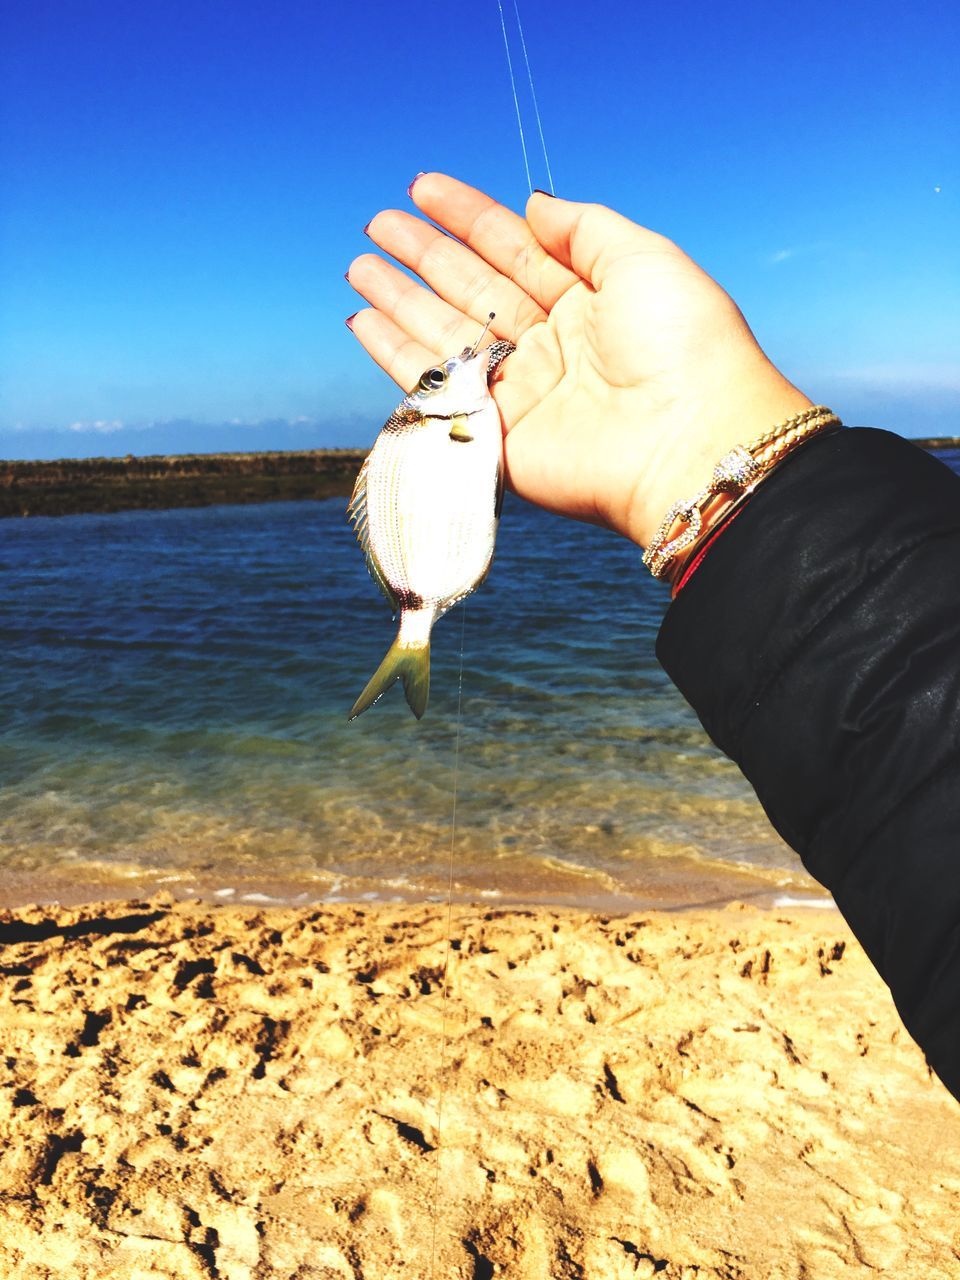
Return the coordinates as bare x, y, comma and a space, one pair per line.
399, 355
500, 236
404, 359
421, 314
589, 238
456, 273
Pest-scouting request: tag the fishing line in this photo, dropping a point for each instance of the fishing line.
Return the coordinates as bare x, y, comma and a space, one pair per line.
516, 100
533, 95
463, 626
446, 953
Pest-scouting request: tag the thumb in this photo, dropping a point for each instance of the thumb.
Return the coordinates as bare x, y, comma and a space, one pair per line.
587, 238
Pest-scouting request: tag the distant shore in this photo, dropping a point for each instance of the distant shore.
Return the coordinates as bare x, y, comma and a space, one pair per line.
75, 486
936, 442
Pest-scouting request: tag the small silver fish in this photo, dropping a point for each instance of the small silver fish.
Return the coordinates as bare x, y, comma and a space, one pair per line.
426, 507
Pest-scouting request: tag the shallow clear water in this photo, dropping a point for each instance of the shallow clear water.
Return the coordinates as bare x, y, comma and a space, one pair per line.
173, 703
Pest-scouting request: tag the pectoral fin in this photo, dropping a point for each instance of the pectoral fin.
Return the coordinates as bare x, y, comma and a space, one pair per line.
459, 429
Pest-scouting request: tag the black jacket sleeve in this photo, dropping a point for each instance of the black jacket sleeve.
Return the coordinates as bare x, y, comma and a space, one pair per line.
819, 643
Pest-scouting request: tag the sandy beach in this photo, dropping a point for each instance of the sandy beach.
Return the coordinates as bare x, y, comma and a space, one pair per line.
214, 1091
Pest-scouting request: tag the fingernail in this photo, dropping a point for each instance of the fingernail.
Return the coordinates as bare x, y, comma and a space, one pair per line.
366, 229
346, 276
539, 191
349, 321
416, 179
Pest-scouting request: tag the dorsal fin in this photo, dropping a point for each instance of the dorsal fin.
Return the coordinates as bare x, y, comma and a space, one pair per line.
357, 515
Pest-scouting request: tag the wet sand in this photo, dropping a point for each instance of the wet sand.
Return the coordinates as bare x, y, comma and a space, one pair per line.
200, 1091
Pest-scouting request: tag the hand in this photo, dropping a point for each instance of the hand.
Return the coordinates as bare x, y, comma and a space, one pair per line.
634, 371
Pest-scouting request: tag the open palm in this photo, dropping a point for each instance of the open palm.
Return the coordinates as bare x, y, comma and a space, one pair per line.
633, 370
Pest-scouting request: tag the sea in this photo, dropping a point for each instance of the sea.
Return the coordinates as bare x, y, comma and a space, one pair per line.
174, 694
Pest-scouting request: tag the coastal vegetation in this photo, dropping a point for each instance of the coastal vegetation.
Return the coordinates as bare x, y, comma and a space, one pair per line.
74, 485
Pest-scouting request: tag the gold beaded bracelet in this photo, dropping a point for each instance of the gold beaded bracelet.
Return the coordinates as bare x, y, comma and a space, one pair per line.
734, 478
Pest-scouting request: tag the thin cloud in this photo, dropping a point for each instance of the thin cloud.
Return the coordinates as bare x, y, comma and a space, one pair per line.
795, 251
101, 426
905, 375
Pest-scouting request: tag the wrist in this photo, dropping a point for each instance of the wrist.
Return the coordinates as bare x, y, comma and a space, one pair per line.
684, 458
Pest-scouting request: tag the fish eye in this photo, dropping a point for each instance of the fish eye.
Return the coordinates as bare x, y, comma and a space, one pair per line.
433, 379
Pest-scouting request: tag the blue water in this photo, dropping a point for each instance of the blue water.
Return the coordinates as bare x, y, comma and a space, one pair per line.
173, 704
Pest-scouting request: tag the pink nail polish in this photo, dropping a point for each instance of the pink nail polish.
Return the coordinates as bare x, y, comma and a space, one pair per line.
416, 179
349, 321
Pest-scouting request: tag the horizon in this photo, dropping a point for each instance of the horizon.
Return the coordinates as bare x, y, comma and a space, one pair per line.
935, 441
185, 191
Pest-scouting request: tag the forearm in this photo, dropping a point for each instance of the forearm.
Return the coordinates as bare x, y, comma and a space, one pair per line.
819, 642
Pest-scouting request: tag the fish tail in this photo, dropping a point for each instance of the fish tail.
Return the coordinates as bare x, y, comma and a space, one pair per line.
407, 660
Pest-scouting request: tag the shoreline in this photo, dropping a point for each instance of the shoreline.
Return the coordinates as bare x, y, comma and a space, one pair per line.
665, 885
83, 486
194, 1091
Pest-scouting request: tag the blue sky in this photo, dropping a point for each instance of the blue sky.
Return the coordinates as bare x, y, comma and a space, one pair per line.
184, 185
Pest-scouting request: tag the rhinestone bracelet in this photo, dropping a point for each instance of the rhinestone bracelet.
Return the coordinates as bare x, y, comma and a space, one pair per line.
734, 478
